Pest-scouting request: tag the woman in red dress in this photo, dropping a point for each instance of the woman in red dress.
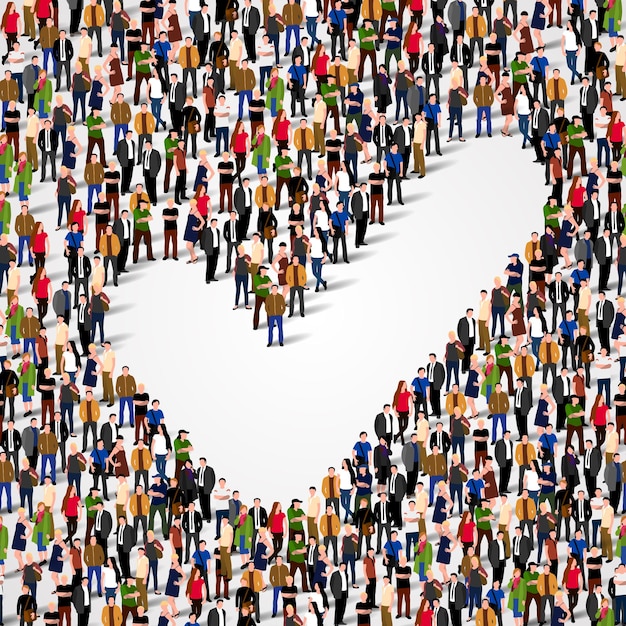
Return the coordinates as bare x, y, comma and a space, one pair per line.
402, 406
11, 28
42, 292
240, 145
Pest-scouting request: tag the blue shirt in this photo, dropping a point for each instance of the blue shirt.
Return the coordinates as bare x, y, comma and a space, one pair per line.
393, 549
364, 491
99, 457
551, 140
495, 596
432, 111
518, 268
355, 97
475, 486
394, 32
162, 48
339, 219
337, 17
155, 417
539, 65
162, 489
393, 161
551, 476
568, 328
420, 385
201, 558
577, 546
297, 73
74, 240
548, 441
578, 275
362, 449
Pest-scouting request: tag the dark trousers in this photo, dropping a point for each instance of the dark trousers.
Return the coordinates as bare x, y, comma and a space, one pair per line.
211, 265
361, 229
180, 192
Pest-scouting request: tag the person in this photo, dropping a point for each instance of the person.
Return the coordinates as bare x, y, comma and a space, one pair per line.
275, 308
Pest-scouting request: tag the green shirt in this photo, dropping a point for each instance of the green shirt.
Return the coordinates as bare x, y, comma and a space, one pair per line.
550, 210
516, 66
486, 524
143, 68
363, 34
259, 280
502, 361
89, 502
577, 142
291, 513
390, 5
94, 132
138, 214
126, 590
278, 161
573, 421
330, 101
528, 577
169, 144
296, 545
178, 444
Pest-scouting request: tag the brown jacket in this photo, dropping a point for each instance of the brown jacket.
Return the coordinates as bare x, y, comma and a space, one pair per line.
117, 616
7, 474
115, 247
531, 509
498, 402
483, 96
290, 278
531, 455
150, 123
93, 555
134, 459
194, 57
139, 505
309, 140
99, 15
246, 80
48, 443
275, 305
120, 113
560, 93
335, 525
95, 411
9, 90
47, 37
292, 14
94, 174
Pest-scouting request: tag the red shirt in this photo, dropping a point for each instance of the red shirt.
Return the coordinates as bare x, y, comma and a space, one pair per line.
577, 197
11, 26
467, 534
403, 401
79, 218
600, 419
71, 508
203, 205
277, 523
617, 132
321, 66
196, 589
39, 246
42, 288
572, 578
414, 43
282, 130
241, 143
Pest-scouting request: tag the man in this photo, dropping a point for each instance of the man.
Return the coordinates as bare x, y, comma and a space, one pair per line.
122, 229
275, 308
456, 599
295, 275
141, 231
466, 331
210, 243
62, 53
251, 21
504, 458
151, 167
431, 66
339, 588
605, 313
394, 169
497, 556
483, 99
82, 601
48, 142
192, 525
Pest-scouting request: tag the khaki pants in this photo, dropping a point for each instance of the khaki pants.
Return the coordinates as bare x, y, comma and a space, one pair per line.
506, 539
31, 152
29, 23
483, 336
311, 528
234, 70
58, 353
227, 567
385, 613
422, 450
606, 542
318, 136
107, 388
143, 593
419, 165
620, 80
583, 320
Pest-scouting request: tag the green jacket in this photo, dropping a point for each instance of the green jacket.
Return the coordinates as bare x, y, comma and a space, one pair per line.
261, 150
29, 378
278, 93
609, 619
614, 13
6, 159
4, 542
244, 532
44, 527
492, 379
14, 321
25, 176
517, 594
425, 557
5, 217
44, 95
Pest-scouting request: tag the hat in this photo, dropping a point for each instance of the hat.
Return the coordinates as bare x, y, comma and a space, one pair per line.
182, 430
296, 500
156, 476
504, 337
262, 267
514, 255
354, 84
547, 463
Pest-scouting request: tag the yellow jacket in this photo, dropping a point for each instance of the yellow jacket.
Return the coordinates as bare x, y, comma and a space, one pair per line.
87, 16
482, 26
290, 278
193, 54
560, 93
270, 199
95, 411
371, 10
150, 123
309, 140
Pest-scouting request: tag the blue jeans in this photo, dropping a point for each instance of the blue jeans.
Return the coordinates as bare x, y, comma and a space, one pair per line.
241, 285
97, 319
452, 367
23, 242
536, 344
64, 202
79, 102
311, 28
316, 268
479, 117
29, 346
278, 320
128, 403
541, 538
20, 84
457, 491
259, 165
123, 128
275, 41
523, 128
422, 573
49, 459
497, 417
277, 591
571, 59
5, 106
349, 560
345, 502
6, 487
161, 460
91, 189
497, 313
603, 148
274, 107
456, 116
156, 106
74, 479
401, 96
412, 539
433, 481
117, 36
47, 54
352, 165
245, 94
458, 445
221, 134
595, 527
620, 608
67, 409
605, 384
264, 74
109, 593
502, 42
291, 31
22, 191
621, 272
344, 196
622, 367
95, 570
474, 598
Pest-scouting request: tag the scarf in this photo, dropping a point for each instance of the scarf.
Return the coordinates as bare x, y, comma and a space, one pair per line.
3, 147
515, 585
421, 547
25, 367
605, 609
622, 531
13, 310
489, 368
21, 166
40, 515
41, 84
273, 82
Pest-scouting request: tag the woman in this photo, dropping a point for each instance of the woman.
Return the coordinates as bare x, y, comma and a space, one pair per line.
118, 460
484, 71
70, 361
157, 97
71, 149
23, 178
43, 95
99, 89
261, 148
347, 482
605, 615
23, 530
266, 226
319, 66
27, 374
264, 550
447, 543
423, 557
545, 408
39, 246
72, 511
281, 130
6, 163
515, 317
113, 69
161, 451
196, 591
402, 407
467, 532
570, 44
203, 204
573, 583
475, 378
195, 224
475, 586
240, 147
11, 28
615, 135
111, 578
42, 292
165, 617
93, 368
368, 120
382, 90
14, 315
175, 580
78, 215
275, 92
318, 600
277, 524
537, 327
318, 255
614, 179
521, 108
531, 481
600, 416
60, 552
569, 229
154, 552
241, 271
443, 505
43, 531
538, 23
517, 597
172, 25
413, 46
244, 529
322, 568
491, 376
576, 197
504, 96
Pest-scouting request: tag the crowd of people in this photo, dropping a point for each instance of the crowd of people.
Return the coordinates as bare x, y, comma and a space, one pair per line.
543, 344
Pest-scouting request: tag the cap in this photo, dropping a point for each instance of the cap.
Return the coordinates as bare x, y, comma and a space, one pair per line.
514, 255
182, 430
262, 267
156, 476
296, 500
504, 337
354, 84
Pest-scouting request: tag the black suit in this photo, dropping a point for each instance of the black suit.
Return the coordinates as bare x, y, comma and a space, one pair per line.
456, 601
582, 521
521, 412
62, 433
63, 65
102, 533
125, 540
82, 604
244, 212
587, 110
202, 35
467, 338
591, 472
13, 455
436, 375
79, 279
383, 517
127, 157
441, 617
211, 246
464, 59
252, 17
206, 482
521, 553
176, 101
192, 525
48, 142
539, 123
339, 579
382, 136
214, 618
359, 204
497, 559
232, 239
380, 428
431, 66
118, 229
561, 306
84, 326
151, 163
397, 491
604, 325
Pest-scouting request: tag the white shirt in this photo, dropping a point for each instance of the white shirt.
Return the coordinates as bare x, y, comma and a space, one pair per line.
310, 9
532, 480
109, 578
160, 444
70, 362
322, 221
345, 479
570, 41
222, 122
3, 349
156, 91
522, 104
221, 505
343, 181
316, 250
62, 49
596, 513
536, 328
620, 590
16, 62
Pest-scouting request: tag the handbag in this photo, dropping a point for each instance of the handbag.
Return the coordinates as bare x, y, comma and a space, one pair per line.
269, 231
158, 552
231, 14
